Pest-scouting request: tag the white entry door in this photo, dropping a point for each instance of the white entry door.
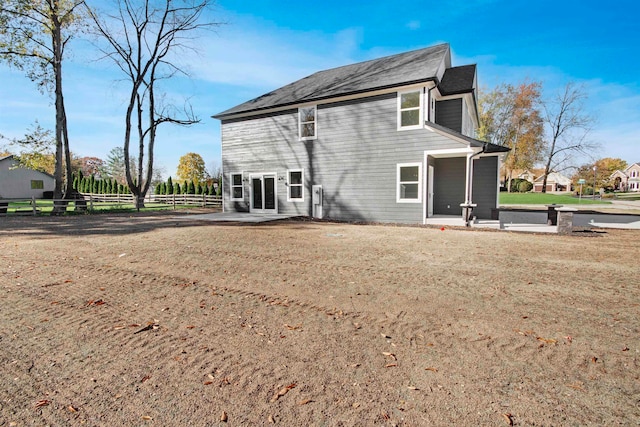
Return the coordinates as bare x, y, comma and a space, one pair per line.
430, 192
264, 197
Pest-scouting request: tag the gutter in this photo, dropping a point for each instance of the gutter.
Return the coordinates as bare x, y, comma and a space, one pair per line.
468, 205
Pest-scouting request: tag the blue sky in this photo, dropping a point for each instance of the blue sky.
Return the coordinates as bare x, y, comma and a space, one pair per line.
265, 44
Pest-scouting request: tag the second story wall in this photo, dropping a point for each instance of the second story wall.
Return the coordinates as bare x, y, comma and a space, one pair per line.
354, 156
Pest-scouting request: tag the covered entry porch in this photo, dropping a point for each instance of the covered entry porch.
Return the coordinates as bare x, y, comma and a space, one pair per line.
457, 179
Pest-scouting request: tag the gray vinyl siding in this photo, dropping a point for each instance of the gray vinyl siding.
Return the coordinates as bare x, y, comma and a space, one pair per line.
449, 185
354, 158
485, 172
449, 114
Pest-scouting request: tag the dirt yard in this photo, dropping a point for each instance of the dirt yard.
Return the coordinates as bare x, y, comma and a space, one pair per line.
153, 320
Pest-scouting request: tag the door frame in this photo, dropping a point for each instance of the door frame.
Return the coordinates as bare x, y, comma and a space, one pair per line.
262, 176
430, 178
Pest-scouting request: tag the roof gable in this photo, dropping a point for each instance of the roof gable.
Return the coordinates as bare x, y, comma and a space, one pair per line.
457, 80
396, 70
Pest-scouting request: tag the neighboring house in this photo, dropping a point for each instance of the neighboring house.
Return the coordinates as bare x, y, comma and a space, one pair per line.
527, 175
390, 140
627, 180
18, 183
555, 182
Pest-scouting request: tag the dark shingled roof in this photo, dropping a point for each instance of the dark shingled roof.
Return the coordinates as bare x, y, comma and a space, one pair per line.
458, 80
391, 71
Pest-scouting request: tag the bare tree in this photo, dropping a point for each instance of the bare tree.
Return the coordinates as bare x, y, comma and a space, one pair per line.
33, 36
141, 38
567, 127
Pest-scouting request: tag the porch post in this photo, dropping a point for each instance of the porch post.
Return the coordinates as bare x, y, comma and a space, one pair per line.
468, 189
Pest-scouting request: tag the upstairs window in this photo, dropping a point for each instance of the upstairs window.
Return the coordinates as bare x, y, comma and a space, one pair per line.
296, 187
409, 183
237, 188
307, 122
634, 174
410, 109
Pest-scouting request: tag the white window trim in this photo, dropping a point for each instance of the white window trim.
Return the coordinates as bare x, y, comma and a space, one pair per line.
419, 182
289, 198
315, 123
420, 109
231, 186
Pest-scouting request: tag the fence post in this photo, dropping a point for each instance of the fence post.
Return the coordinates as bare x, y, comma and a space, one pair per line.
174, 201
33, 204
91, 202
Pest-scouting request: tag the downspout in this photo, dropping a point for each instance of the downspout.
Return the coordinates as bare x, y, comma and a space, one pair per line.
467, 206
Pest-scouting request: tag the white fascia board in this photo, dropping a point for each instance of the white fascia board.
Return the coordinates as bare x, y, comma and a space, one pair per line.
451, 152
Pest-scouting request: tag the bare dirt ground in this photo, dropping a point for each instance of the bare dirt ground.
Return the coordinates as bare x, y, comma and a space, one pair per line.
149, 320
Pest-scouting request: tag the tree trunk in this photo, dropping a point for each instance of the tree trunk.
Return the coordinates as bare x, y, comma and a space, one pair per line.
56, 37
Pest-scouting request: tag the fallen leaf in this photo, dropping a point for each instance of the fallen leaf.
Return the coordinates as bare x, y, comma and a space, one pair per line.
625, 348
547, 340
594, 359
355, 405
431, 369
508, 418
412, 388
385, 336
224, 417
145, 378
282, 392
146, 418
150, 327
41, 403
391, 355
190, 327
569, 338
210, 376
355, 365
95, 302
271, 420
304, 402
390, 365
70, 408
293, 328
118, 327
208, 382
578, 385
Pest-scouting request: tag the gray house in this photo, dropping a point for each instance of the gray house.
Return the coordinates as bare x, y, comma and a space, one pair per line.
20, 183
389, 140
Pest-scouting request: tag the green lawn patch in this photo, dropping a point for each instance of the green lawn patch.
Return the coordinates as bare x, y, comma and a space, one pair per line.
546, 199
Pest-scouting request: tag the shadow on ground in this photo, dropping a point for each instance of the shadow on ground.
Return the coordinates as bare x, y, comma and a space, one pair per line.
107, 224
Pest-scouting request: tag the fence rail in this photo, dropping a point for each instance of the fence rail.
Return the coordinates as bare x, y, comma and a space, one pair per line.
94, 202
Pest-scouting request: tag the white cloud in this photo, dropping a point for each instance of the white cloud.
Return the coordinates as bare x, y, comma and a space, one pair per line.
269, 57
413, 25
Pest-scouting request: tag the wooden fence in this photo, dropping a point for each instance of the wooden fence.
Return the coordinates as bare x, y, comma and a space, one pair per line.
94, 202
